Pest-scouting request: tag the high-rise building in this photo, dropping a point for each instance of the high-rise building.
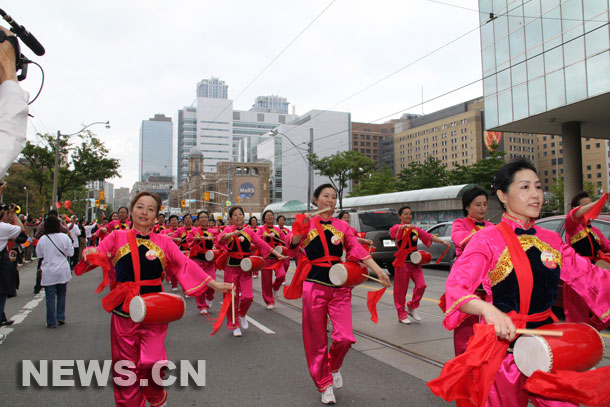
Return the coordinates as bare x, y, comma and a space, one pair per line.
212, 88
121, 198
367, 139
546, 70
156, 147
187, 140
270, 104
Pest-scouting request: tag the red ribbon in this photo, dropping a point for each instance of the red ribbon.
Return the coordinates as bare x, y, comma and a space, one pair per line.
226, 303
372, 298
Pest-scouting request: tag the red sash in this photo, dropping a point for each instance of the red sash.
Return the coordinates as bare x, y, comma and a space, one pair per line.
222, 260
402, 254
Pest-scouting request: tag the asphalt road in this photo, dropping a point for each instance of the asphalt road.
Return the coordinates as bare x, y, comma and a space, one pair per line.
258, 369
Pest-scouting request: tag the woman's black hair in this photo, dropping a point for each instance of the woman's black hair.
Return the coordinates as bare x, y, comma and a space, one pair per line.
234, 208
200, 212
51, 225
470, 196
124, 207
117, 214
173, 216
403, 208
576, 199
505, 176
222, 222
340, 215
278, 218
250, 220
187, 214
318, 191
265, 214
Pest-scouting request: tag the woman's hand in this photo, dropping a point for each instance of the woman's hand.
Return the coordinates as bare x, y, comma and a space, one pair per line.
447, 244
89, 251
220, 286
503, 325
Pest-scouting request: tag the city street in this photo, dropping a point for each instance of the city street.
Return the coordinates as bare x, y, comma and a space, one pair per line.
388, 365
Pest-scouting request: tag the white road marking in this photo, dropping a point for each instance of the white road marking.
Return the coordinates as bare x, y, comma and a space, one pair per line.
259, 325
21, 315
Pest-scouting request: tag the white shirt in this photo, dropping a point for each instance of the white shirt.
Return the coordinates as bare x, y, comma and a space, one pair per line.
74, 233
88, 230
55, 267
8, 232
13, 123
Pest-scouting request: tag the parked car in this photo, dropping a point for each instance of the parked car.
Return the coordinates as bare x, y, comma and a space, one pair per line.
557, 224
375, 225
443, 231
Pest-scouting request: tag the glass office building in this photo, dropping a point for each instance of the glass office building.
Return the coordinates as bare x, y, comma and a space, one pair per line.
156, 147
539, 56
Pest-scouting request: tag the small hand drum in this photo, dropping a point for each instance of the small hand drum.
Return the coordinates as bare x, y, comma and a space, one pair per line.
348, 274
580, 348
252, 263
211, 255
156, 308
420, 257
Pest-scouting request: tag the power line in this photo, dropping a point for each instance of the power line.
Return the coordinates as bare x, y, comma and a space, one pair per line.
464, 86
274, 59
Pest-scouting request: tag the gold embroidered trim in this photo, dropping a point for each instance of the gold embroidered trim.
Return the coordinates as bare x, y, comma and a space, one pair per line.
504, 266
313, 233
123, 251
199, 286
455, 304
583, 235
120, 313
311, 280
163, 400
605, 315
241, 233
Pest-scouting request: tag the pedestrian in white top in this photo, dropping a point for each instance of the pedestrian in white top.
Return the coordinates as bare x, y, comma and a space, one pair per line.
55, 248
74, 234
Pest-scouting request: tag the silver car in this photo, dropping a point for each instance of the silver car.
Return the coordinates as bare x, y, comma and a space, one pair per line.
443, 231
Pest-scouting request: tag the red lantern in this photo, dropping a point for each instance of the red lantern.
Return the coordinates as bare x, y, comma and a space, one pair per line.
67, 204
58, 204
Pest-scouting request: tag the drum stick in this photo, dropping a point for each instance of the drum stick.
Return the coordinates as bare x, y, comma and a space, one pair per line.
442, 255
540, 332
233, 306
320, 211
372, 278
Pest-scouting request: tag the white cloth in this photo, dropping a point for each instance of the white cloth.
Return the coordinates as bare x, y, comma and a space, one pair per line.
8, 232
55, 266
74, 234
88, 229
13, 123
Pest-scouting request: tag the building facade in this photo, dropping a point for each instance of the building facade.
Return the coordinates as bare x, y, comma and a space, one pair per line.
213, 88
156, 137
121, 198
367, 139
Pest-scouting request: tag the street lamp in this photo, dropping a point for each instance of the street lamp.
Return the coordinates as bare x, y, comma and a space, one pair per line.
309, 150
26, 201
56, 167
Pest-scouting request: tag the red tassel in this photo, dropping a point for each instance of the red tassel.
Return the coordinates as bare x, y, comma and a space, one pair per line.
226, 304
372, 298
589, 388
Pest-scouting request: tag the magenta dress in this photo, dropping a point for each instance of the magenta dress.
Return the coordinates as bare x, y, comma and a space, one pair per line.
462, 231
408, 271
486, 262
272, 264
586, 240
322, 299
248, 239
209, 267
144, 344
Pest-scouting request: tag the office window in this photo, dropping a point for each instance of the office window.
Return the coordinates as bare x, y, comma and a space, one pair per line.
260, 117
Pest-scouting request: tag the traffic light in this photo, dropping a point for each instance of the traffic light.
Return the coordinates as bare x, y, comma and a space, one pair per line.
239, 199
97, 203
206, 196
183, 203
102, 196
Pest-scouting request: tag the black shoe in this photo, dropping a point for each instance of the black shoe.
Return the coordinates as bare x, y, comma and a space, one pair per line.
51, 326
61, 322
36, 291
6, 323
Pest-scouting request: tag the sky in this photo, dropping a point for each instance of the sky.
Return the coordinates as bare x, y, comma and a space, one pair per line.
125, 61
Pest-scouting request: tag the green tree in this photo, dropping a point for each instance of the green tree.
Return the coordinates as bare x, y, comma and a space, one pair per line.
431, 173
343, 167
22, 191
481, 172
380, 182
80, 162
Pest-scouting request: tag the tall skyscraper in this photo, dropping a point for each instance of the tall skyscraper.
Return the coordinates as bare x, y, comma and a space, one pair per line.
156, 147
212, 88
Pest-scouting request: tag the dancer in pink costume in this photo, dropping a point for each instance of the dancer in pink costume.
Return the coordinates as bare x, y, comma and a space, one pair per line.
274, 237
200, 240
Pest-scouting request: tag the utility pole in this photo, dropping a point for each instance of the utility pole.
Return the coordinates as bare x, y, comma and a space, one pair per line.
310, 172
56, 168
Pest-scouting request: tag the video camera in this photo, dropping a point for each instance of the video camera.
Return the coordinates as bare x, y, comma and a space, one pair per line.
6, 207
21, 62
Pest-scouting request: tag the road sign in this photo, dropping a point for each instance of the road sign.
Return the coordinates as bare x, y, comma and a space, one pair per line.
228, 203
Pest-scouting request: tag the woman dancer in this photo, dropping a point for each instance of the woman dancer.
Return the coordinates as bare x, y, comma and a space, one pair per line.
474, 206
519, 265
143, 344
239, 241
406, 236
323, 239
274, 237
200, 240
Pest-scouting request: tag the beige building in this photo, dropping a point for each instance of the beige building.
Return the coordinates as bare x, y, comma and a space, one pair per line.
366, 138
245, 184
595, 161
455, 137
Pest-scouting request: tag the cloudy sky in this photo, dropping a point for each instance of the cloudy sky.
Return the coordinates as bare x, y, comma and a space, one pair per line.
124, 61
